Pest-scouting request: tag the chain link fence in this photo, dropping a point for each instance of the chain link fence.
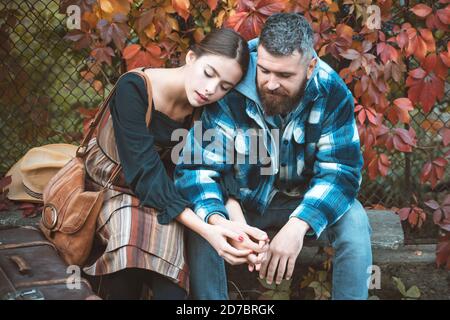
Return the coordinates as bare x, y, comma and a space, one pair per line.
41, 91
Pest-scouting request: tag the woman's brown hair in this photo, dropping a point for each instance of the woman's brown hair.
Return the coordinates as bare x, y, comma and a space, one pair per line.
224, 42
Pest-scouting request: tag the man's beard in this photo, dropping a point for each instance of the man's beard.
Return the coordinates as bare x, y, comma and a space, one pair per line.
278, 102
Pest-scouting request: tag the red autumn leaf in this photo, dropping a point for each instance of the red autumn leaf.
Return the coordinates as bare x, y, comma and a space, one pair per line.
399, 139
4, 182
443, 251
251, 15
421, 10
445, 134
404, 140
444, 15
433, 171
30, 210
403, 213
103, 54
137, 56
367, 135
394, 70
426, 83
212, 4
419, 43
87, 115
182, 8
386, 51
400, 111
366, 113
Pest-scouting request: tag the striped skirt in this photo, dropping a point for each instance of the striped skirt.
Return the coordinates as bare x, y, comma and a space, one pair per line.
131, 234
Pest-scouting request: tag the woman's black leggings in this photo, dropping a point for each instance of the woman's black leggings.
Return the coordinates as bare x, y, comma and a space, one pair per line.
127, 284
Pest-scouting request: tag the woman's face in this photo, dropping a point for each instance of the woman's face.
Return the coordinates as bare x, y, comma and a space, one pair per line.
210, 77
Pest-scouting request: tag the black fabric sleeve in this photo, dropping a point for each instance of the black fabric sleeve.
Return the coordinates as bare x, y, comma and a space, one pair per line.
143, 169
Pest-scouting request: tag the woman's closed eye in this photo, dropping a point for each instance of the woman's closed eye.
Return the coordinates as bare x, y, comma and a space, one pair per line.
208, 74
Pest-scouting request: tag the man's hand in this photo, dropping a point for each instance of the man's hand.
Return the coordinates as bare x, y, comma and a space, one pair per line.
284, 250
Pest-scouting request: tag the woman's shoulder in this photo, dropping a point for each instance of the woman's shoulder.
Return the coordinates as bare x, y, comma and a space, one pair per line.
131, 83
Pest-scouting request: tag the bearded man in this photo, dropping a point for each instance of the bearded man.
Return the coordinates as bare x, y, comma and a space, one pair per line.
305, 114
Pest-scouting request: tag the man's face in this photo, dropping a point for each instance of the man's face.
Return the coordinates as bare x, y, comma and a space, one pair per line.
281, 80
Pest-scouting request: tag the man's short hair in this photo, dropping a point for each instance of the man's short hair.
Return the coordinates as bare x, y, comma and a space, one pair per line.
283, 33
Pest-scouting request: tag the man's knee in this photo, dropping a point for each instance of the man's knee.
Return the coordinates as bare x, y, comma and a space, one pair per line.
353, 227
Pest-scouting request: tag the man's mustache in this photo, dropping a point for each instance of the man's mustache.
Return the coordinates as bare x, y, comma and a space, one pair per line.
274, 92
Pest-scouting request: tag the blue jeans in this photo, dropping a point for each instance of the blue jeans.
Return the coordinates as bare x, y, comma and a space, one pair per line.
349, 236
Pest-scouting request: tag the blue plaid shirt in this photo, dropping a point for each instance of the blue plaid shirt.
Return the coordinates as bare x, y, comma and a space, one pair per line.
316, 155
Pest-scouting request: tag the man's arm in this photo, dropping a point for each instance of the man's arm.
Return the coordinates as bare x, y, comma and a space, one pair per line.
333, 188
337, 169
201, 167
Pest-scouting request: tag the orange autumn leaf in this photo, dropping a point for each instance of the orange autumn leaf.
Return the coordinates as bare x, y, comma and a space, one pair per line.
433, 171
399, 111
182, 8
421, 10
212, 4
420, 43
378, 166
250, 17
366, 113
340, 41
138, 56
109, 8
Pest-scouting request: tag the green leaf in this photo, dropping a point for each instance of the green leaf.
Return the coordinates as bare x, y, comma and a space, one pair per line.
263, 282
268, 295
400, 286
322, 275
413, 292
315, 285
281, 295
284, 285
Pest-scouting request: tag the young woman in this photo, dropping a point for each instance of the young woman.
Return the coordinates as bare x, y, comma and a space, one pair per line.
140, 227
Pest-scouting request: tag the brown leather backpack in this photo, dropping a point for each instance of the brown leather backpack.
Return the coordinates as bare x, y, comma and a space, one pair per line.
70, 211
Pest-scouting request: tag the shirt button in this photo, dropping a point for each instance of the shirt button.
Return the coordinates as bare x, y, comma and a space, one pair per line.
285, 142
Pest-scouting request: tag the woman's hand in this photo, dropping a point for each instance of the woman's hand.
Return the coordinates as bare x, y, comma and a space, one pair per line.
253, 239
217, 236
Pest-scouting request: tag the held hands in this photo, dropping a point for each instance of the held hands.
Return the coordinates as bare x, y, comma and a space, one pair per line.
253, 239
218, 236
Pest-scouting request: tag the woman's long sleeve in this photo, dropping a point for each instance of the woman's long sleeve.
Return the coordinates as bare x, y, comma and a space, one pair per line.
143, 169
